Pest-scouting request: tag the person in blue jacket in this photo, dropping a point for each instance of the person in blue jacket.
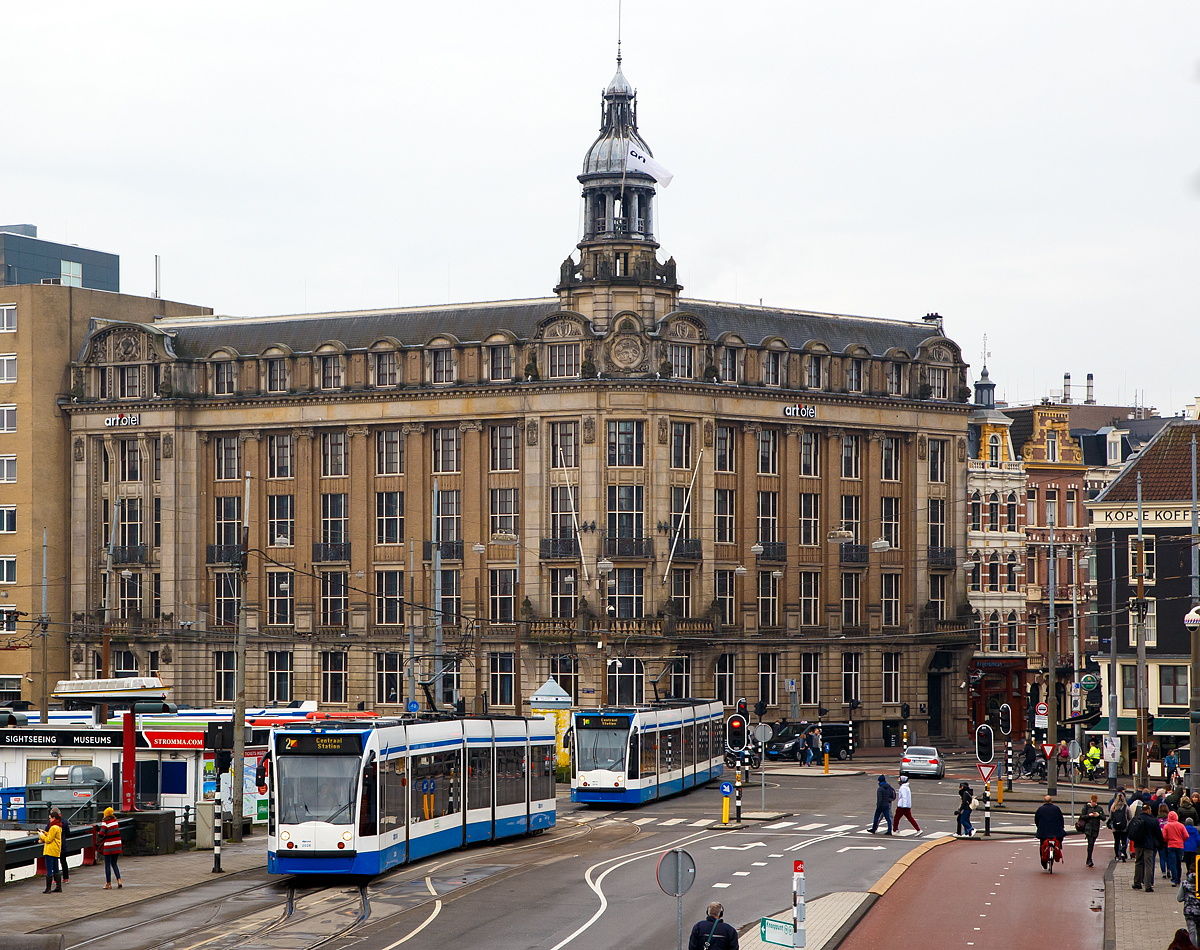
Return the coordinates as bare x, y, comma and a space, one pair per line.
884, 796
712, 933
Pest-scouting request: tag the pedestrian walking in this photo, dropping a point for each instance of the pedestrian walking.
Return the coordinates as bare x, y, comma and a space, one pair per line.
62, 861
1048, 820
1146, 835
1118, 821
712, 933
1175, 834
904, 805
966, 797
1163, 811
884, 796
1030, 753
51, 840
1186, 895
1192, 845
110, 847
1064, 760
1181, 942
1089, 818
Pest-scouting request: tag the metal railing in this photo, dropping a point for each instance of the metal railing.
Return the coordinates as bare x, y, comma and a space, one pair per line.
130, 554
853, 554
629, 547
688, 549
224, 553
773, 551
942, 557
559, 547
327, 553
450, 550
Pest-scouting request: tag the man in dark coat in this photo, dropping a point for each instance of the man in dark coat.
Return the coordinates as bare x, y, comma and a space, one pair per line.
712, 933
884, 796
1050, 830
1145, 833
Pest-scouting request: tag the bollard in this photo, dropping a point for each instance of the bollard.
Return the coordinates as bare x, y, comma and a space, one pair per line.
798, 934
826, 763
724, 809
999, 792
850, 738
987, 809
738, 786
218, 829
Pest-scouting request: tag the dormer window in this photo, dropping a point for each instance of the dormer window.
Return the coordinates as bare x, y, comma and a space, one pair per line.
443, 366
564, 360
814, 372
994, 449
500, 363
331, 372
729, 365
773, 368
854, 376
895, 379
129, 382
224, 378
681, 360
385, 368
1051, 446
939, 383
1114, 448
276, 376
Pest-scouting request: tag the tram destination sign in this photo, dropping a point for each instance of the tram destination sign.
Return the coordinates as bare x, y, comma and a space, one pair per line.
602, 722
321, 743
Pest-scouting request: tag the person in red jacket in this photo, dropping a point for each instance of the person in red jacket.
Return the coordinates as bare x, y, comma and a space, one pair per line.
110, 847
1176, 834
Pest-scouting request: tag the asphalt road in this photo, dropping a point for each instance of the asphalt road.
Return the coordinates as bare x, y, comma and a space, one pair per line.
590, 882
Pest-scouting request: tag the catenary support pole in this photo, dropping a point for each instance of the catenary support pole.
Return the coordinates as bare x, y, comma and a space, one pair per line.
1194, 682
1143, 740
1076, 710
239, 675
1052, 675
1112, 656
44, 706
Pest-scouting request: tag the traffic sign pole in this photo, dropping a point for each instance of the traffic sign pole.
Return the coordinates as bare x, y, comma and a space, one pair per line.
738, 785
798, 904
987, 809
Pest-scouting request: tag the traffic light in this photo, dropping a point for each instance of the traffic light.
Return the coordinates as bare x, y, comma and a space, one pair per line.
736, 732
1149, 723
1006, 719
904, 710
983, 744
224, 760
260, 777
760, 708
742, 708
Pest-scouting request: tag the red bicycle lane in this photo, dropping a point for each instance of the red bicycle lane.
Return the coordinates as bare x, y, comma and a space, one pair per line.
987, 895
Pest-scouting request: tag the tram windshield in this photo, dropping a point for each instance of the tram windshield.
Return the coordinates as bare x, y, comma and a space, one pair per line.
317, 788
602, 749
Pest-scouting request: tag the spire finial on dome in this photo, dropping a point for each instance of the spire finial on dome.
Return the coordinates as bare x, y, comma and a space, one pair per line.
618, 34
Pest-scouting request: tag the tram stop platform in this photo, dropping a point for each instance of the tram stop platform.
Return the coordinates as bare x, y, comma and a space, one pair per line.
25, 908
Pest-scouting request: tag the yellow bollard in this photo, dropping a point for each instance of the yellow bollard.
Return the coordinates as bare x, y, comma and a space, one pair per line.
724, 809
999, 792
826, 763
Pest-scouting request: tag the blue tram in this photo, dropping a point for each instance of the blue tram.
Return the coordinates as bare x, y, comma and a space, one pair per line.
362, 796
638, 753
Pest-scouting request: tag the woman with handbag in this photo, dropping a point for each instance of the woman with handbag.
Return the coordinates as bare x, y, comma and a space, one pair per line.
1088, 824
966, 797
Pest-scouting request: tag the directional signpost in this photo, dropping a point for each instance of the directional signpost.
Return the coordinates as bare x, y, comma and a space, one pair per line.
676, 875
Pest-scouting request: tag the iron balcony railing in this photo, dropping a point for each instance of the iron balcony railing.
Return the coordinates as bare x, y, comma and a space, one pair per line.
224, 553
854, 553
450, 550
329, 553
629, 547
132, 554
560, 547
942, 557
773, 551
687, 549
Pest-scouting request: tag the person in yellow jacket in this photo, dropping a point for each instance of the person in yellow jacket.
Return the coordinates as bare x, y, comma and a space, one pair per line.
51, 840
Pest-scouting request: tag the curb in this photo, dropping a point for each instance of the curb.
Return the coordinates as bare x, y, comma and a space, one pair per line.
892, 875
851, 922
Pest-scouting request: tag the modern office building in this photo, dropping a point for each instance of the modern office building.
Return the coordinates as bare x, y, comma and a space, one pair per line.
27, 259
617, 486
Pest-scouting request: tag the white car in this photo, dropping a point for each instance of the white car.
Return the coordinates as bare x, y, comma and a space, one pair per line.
923, 760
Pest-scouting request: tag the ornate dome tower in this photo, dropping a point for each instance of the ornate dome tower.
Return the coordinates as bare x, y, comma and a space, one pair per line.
617, 268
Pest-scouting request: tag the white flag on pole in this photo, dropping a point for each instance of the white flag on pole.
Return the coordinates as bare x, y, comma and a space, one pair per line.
636, 160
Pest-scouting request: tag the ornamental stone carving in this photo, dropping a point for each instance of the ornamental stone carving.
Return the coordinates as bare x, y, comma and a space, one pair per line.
531, 432
357, 430
247, 434
921, 447
168, 446
470, 427
412, 427
126, 346
664, 430
563, 328
962, 450
941, 354
79, 448
627, 352
708, 433
303, 432
589, 429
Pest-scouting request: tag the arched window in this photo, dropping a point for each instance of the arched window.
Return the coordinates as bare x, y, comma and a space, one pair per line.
1011, 514
1012, 573
975, 574
1012, 630
994, 572
994, 512
994, 632
994, 449
976, 513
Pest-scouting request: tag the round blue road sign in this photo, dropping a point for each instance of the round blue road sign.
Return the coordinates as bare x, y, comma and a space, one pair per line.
826, 746
414, 706
727, 788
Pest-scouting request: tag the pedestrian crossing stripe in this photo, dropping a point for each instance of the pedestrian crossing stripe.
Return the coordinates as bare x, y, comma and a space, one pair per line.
837, 828
812, 826
674, 821
779, 824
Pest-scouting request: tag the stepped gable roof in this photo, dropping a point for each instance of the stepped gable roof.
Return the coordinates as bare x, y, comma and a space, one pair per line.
197, 338
1165, 465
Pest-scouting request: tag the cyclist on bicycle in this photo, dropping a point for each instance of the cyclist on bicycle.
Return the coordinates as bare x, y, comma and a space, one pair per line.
1030, 752
1050, 831
1092, 761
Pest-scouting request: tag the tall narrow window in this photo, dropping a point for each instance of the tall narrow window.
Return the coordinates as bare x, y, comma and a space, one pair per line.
630, 595
810, 598
895, 379
768, 517
281, 520
681, 445
449, 515
723, 676
681, 514
564, 670
1011, 512
726, 445
333, 676
993, 518
891, 677
890, 597
228, 520
810, 454
389, 597
564, 444
1068, 511
500, 669
810, 679
625, 511
976, 506
501, 363
768, 452
681, 357
891, 458
768, 599
813, 380
331, 372
226, 450
1052, 507
279, 677
889, 520
1031, 506
335, 598
563, 587
851, 456
389, 452
389, 517
504, 448
443, 366
854, 375
937, 595
447, 450
333, 454
681, 592
224, 667
725, 508
851, 667
626, 443
851, 599
228, 590
852, 516
728, 365
506, 510
224, 378
724, 595
386, 374
768, 678
937, 459
810, 519
1051, 445
503, 595
335, 518
280, 598
937, 522
388, 666
281, 456
773, 368
993, 449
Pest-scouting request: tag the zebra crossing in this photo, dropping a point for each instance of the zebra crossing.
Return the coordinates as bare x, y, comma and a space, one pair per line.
792, 827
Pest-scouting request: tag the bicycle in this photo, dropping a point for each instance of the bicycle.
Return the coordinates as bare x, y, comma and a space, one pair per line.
1051, 851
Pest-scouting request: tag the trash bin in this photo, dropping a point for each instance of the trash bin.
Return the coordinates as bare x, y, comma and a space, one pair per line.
205, 825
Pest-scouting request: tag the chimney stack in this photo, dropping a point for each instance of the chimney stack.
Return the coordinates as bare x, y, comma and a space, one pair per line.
1066, 387
1091, 393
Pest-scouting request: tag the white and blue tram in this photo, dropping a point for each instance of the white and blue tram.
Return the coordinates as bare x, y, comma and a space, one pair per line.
636, 754
361, 796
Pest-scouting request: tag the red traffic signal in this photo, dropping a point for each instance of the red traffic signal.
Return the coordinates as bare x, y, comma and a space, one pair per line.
736, 733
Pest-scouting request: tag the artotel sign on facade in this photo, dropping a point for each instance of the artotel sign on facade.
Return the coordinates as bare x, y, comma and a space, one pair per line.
122, 419
800, 412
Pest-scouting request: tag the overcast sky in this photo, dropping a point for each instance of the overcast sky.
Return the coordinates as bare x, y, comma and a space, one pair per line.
1031, 171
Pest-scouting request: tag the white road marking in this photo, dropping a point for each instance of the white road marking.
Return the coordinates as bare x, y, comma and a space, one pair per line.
938, 834
870, 847
721, 885
838, 828
738, 847
702, 823
813, 826
643, 821
741, 873
774, 855
763, 864
779, 824
907, 833
674, 821
437, 909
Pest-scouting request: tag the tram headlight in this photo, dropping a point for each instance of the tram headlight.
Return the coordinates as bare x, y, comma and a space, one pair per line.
347, 835
285, 835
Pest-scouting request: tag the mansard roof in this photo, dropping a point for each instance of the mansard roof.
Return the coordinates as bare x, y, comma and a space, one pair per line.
196, 338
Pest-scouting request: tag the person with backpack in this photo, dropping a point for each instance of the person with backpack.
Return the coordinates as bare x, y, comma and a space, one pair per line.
1186, 895
884, 796
1146, 835
966, 796
712, 933
1118, 821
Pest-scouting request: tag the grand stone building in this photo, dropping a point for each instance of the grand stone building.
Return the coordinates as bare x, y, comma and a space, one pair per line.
615, 485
